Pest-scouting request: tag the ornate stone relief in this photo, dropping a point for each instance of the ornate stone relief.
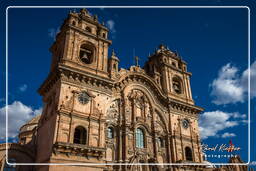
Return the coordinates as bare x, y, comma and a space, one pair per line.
113, 112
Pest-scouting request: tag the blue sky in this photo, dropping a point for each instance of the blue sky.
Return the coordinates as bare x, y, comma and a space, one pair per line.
213, 42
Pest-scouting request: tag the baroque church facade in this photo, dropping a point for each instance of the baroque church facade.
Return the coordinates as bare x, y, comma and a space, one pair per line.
97, 114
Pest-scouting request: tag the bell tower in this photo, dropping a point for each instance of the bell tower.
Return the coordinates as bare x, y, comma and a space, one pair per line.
82, 44
76, 92
170, 73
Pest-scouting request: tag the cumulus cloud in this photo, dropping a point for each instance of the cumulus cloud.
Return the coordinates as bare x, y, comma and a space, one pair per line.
111, 25
227, 88
244, 79
18, 115
228, 135
23, 88
212, 123
231, 85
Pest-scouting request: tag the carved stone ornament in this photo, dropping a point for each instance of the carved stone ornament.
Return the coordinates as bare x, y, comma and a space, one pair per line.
112, 112
185, 123
83, 97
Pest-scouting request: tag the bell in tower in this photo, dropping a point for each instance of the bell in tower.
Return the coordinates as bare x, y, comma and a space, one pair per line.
169, 71
82, 44
86, 54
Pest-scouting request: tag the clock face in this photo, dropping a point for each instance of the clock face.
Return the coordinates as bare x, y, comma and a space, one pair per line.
83, 97
185, 123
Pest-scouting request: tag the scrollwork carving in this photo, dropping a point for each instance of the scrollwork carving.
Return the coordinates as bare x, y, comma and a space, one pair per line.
113, 112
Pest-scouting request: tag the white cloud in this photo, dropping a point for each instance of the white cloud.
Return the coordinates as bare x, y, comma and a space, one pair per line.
227, 88
211, 123
18, 115
52, 32
228, 135
231, 86
23, 88
237, 115
111, 25
244, 79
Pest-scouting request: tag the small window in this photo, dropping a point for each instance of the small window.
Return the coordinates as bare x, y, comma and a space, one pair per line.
176, 85
104, 35
88, 29
179, 65
114, 67
23, 140
174, 64
139, 138
188, 154
110, 132
74, 23
160, 142
80, 135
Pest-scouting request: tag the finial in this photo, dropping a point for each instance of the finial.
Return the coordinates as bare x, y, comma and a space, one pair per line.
95, 17
113, 53
84, 11
103, 23
161, 46
137, 60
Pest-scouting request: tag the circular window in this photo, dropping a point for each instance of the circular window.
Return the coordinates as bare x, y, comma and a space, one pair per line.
185, 123
83, 97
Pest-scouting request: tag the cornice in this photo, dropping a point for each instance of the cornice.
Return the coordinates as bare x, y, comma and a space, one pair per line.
78, 149
80, 115
108, 85
89, 34
184, 107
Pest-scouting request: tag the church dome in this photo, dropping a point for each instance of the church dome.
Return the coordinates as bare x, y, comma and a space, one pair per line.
30, 125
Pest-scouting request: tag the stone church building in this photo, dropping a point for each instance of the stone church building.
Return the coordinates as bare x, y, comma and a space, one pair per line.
97, 114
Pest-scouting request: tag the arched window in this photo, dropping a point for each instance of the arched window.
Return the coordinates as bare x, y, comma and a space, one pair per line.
74, 23
80, 135
160, 142
88, 29
104, 35
174, 64
140, 138
86, 53
8, 167
176, 85
114, 67
179, 65
110, 132
188, 154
